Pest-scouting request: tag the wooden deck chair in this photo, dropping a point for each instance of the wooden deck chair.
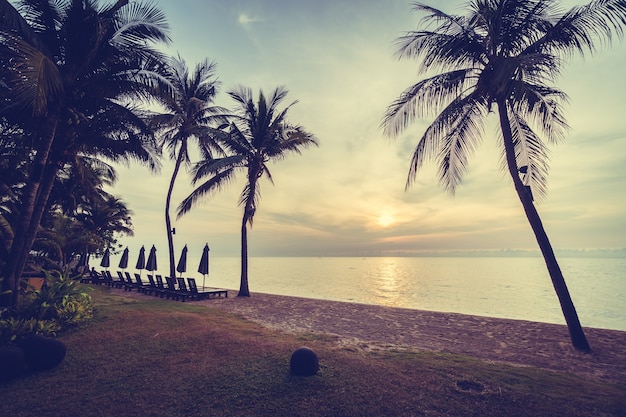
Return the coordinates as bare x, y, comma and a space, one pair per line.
205, 293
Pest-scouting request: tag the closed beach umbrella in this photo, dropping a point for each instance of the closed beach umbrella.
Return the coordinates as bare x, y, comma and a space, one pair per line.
203, 268
105, 262
182, 262
151, 263
124, 260
141, 261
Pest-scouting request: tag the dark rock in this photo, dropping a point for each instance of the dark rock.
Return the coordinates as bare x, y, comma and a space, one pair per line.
12, 362
42, 353
304, 362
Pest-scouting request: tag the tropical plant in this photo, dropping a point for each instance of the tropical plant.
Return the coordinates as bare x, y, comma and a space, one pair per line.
503, 54
258, 134
62, 299
187, 116
70, 67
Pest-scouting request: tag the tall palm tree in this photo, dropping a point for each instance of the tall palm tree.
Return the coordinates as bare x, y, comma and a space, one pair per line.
70, 67
188, 115
503, 54
258, 134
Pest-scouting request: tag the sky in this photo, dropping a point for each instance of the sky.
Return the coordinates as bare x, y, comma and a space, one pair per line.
347, 197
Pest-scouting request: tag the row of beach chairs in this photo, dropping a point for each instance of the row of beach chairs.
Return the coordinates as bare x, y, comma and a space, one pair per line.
170, 288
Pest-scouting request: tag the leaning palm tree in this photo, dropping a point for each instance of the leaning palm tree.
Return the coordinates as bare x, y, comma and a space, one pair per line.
259, 134
69, 67
503, 54
188, 114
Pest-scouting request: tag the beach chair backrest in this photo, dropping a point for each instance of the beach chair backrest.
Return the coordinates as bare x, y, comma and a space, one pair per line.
192, 285
120, 275
159, 281
138, 279
171, 284
151, 279
181, 284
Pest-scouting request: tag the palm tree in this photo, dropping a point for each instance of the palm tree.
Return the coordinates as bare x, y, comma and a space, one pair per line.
504, 53
187, 116
70, 67
258, 134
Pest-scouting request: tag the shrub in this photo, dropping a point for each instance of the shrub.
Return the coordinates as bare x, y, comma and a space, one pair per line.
62, 299
60, 304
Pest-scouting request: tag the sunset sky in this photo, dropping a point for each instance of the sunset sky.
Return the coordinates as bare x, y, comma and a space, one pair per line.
347, 197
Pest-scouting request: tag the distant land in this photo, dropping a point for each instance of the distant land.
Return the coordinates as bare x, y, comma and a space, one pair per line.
499, 253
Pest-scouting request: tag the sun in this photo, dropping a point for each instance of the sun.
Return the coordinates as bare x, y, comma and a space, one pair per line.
386, 219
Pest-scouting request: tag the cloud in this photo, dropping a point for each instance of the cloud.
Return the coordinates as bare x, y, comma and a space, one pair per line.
246, 21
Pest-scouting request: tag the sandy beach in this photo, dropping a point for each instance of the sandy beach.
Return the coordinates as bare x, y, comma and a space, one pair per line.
370, 328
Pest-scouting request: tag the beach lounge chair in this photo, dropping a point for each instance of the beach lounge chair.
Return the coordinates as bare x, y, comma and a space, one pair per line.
183, 292
95, 277
129, 284
160, 289
107, 278
205, 293
120, 281
170, 291
151, 288
141, 286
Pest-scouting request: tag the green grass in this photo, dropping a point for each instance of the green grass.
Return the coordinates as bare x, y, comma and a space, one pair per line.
150, 357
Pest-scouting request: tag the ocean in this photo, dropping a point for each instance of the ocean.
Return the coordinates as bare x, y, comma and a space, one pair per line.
516, 287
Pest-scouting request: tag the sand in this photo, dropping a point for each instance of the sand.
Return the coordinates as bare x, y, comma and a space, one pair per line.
370, 328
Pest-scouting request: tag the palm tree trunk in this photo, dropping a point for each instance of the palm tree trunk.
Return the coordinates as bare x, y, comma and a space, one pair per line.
579, 341
243, 283
23, 241
168, 222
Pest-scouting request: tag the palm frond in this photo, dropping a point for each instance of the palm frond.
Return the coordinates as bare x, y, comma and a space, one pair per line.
423, 99
214, 184
530, 152
464, 132
140, 22
579, 28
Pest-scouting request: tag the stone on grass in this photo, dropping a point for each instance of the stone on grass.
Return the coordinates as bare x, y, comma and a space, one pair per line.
304, 362
42, 353
12, 362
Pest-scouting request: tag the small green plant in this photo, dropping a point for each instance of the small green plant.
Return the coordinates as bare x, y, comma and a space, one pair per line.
60, 304
62, 299
13, 328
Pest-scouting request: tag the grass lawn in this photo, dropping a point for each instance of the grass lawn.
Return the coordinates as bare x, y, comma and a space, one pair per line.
152, 357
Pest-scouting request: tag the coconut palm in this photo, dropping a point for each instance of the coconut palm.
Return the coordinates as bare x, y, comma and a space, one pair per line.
503, 56
259, 133
188, 114
70, 65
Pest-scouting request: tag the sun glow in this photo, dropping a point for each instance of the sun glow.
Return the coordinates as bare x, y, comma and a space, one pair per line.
386, 219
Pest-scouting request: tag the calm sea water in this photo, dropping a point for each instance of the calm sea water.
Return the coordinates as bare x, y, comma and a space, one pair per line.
518, 288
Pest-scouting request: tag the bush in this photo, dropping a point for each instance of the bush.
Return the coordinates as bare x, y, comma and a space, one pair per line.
60, 304
62, 299
12, 328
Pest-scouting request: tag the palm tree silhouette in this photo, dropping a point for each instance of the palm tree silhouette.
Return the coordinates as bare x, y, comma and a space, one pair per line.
502, 56
188, 115
258, 134
70, 66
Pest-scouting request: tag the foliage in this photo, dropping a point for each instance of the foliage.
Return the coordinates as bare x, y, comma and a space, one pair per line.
258, 134
60, 304
501, 57
12, 328
187, 117
74, 72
